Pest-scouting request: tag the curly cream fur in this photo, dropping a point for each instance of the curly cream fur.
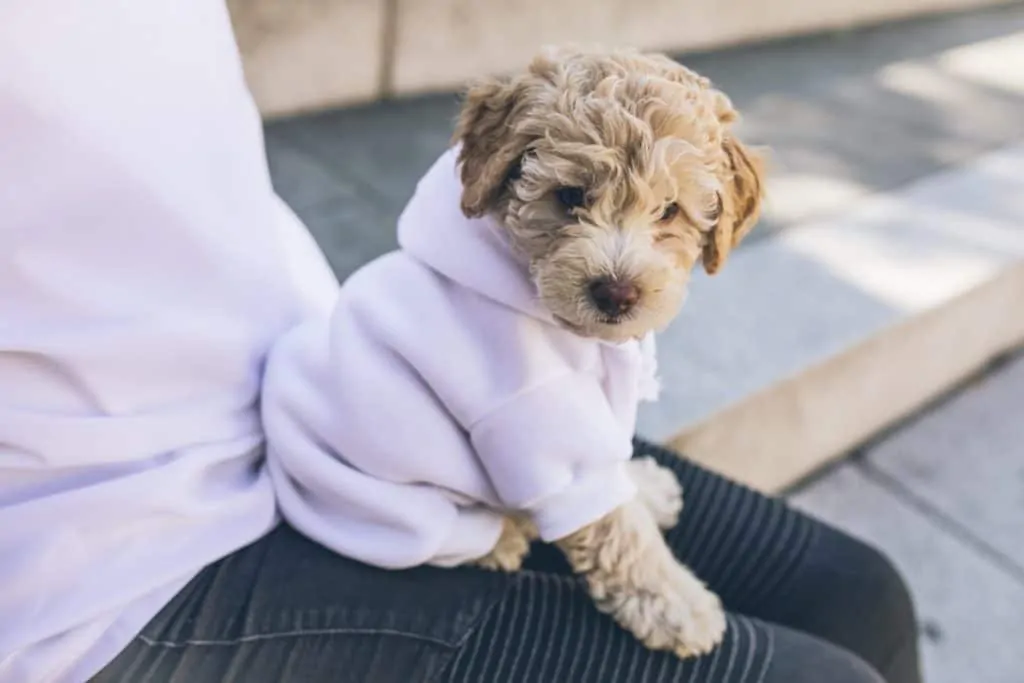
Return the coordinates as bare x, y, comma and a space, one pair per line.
633, 576
635, 133
657, 489
512, 547
630, 572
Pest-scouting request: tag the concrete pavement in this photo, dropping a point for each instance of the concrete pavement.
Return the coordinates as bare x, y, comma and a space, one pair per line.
944, 496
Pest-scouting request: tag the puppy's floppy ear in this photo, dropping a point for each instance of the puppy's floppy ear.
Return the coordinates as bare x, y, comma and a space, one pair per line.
741, 196
490, 149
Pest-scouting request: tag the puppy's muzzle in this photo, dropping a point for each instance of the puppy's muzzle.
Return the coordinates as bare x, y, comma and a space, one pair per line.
613, 297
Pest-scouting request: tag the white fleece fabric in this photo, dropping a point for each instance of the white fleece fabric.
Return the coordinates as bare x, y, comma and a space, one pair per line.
146, 267
439, 391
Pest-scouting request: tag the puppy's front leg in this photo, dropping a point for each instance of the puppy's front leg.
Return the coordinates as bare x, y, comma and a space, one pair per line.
512, 547
633, 576
658, 489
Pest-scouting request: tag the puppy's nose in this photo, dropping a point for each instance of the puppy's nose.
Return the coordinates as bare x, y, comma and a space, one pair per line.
613, 297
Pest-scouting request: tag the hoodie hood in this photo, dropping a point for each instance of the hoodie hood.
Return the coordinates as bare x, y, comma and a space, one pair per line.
474, 252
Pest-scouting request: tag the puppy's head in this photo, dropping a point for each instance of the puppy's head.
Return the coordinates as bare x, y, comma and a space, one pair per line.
614, 174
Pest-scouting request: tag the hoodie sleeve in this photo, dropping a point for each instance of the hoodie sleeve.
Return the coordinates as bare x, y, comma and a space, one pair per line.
557, 452
310, 424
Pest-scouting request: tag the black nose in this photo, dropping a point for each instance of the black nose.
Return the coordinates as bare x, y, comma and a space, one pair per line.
613, 297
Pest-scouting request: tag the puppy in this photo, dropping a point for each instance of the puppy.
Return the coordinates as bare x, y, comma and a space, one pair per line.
614, 175
478, 388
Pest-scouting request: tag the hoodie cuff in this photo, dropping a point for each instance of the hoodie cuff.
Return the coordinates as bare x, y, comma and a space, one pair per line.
589, 498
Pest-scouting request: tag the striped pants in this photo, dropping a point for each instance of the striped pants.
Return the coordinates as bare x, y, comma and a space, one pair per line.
807, 604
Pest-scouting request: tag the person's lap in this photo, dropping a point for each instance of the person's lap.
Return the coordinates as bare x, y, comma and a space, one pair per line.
806, 603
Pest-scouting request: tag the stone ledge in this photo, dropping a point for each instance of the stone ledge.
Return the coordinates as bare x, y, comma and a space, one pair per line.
306, 55
786, 432
441, 43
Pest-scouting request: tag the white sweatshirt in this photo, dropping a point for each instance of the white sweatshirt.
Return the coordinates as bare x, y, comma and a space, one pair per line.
145, 268
439, 391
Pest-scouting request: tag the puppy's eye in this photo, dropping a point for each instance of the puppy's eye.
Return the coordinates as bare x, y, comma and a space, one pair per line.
670, 212
571, 197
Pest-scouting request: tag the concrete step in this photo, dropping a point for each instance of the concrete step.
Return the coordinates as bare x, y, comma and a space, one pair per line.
811, 341
941, 494
970, 607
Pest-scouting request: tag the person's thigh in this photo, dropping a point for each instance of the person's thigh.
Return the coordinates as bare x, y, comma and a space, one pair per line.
287, 609
546, 630
771, 562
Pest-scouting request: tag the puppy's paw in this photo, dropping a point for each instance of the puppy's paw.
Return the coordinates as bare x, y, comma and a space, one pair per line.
679, 615
633, 576
512, 547
658, 489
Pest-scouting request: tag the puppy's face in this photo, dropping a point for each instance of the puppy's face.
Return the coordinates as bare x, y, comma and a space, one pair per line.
614, 174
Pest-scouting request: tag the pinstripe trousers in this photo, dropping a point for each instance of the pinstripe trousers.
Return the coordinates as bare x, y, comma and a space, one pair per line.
807, 604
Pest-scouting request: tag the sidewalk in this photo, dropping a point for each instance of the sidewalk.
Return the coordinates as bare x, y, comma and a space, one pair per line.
944, 496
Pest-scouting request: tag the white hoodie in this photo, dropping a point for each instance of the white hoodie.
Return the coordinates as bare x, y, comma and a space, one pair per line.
439, 391
146, 266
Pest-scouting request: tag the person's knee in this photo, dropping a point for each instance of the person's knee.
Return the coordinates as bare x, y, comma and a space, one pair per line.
875, 591
851, 594
800, 658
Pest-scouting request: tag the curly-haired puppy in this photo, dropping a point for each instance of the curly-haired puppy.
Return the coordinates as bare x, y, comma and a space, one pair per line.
614, 175
478, 388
